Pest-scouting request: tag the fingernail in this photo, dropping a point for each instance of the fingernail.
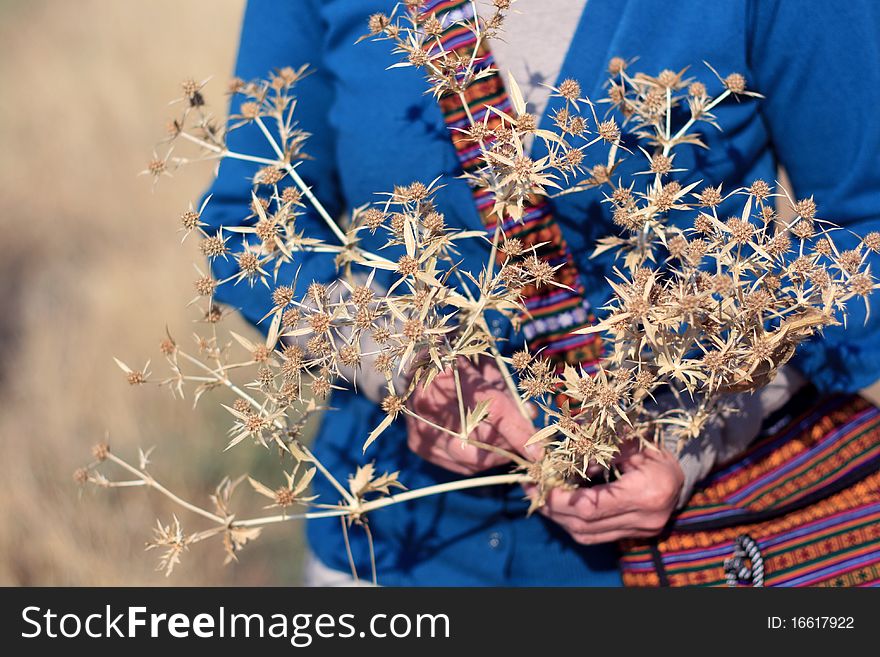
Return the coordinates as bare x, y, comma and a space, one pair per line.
532, 409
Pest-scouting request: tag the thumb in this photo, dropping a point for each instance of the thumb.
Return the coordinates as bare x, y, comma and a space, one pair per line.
513, 425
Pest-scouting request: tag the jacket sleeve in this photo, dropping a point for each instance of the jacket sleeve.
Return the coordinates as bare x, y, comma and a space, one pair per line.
730, 434
818, 65
275, 35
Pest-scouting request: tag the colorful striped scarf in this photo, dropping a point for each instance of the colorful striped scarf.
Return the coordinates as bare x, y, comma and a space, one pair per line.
552, 313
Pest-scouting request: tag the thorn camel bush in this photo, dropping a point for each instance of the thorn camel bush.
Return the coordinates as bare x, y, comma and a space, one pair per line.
694, 314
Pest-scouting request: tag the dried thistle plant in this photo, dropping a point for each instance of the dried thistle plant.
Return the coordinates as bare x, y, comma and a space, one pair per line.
695, 314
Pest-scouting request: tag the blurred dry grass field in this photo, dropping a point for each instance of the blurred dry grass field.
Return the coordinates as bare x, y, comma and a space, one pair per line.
92, 268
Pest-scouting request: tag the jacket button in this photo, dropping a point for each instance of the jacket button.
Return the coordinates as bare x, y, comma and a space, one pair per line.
495, 540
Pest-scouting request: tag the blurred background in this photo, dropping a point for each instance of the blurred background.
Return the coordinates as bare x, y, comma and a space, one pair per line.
92, 268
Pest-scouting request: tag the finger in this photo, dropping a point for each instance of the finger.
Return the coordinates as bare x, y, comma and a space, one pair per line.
629, 451
506, 425
436, 454
435, 406
590, 504
610, 537
575, 525
506, 416
635, 455
447, 452
453, 466
559, 508
630, 523
437, 445
434, 397
424, 440
473, 457
484, 375
487, 370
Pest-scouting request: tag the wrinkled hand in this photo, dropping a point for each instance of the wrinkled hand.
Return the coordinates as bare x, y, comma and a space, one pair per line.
504, 427
636, 505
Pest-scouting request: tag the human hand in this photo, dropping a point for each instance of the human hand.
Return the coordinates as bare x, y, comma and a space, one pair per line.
636, 505
505, 427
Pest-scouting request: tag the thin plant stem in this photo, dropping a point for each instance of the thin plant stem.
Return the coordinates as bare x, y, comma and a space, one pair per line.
354, 572
358, 507
125, 484
460, 395
345, 244
253, 402
149, 481
464, 484
307, 192
374, 575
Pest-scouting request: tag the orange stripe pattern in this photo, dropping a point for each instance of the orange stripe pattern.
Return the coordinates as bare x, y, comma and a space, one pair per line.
809, 495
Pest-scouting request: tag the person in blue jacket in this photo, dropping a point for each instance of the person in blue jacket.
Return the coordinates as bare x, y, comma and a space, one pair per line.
817, 64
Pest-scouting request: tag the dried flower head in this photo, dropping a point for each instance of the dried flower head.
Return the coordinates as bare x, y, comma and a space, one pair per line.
711, 197
823, 246
407, 265
803, 229
570, 89
319, 322
136, 378
740, 231
269, 175
779, 244
291, 195
521, 360
703, 224
214, 246
205, 286
616, 65
241, 406
189, 220
434, 222
291, 318
248, 263
372, 218
760, 190
167, 347
609, 131
413, 330
101, 451
526, 123
861, 284
378, 23
872, 241
697, 90
661, 164
282, 296
806, 208
736, 82
393, 404
850, 261
250, 110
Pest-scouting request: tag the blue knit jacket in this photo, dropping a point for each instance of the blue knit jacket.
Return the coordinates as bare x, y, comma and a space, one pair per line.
817, 63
